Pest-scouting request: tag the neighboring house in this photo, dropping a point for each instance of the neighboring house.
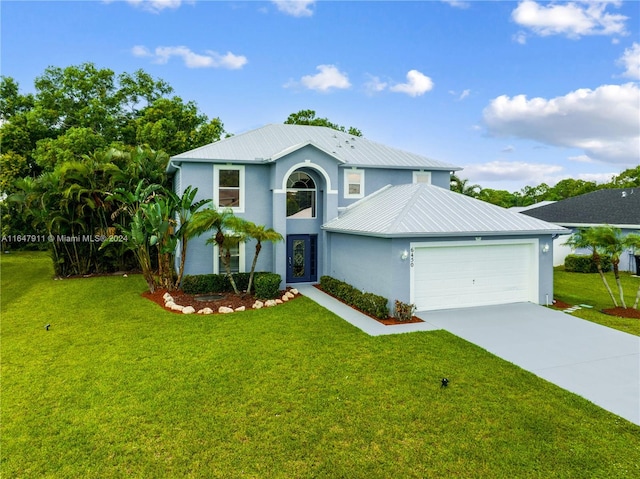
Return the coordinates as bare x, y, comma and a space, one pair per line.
560, 249
619, 207
379, 218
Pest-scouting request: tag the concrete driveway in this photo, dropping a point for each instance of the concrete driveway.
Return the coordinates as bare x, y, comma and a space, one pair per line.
598, 363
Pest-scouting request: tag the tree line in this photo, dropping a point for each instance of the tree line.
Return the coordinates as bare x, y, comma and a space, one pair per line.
530, 195
85, 157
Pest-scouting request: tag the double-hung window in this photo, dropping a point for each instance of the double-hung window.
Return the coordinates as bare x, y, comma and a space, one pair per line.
236, 259
228, 187
354, 183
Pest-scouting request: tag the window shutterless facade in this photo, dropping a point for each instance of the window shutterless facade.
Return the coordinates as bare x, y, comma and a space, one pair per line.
228, 187
354, 183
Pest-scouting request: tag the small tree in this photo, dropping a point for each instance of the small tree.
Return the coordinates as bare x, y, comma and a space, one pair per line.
225, 237
259, 233
633, 241
586, 238
609, 240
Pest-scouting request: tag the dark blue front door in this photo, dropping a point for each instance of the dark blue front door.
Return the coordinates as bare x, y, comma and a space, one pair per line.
301, 258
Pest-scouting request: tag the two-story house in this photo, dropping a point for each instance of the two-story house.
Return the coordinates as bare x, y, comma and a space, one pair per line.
377, 217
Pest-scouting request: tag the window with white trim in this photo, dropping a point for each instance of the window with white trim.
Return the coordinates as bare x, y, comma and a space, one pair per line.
228, 187
301, 196
237, 260
354, 183
422, 177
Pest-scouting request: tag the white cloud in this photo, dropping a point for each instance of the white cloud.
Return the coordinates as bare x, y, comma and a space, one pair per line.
520, 37
374, 85
328, 78
295, 8
508, 149
417, 84
460, 96
141, 51
604, 123
631, 61
581, 159
210, 59
521, 173
573, 19
500, 170
155, 6
457, 3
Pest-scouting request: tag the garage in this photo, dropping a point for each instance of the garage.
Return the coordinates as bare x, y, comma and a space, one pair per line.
475, 273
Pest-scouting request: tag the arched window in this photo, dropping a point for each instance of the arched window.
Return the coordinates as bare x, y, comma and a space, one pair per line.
301, 196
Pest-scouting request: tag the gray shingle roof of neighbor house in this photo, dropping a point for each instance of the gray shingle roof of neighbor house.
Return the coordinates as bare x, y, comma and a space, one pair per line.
619, 207
429, 211
271, 142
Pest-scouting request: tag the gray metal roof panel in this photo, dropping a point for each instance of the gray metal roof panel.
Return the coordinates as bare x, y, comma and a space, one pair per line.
270, 141
427, 210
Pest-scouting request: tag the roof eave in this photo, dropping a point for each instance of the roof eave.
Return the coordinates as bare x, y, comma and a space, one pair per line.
445, 234
402, 167
593, 225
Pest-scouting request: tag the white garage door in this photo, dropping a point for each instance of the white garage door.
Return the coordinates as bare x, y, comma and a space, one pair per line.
473, 274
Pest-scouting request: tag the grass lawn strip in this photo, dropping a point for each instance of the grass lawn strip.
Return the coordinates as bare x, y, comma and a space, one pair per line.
584, 288
120, 388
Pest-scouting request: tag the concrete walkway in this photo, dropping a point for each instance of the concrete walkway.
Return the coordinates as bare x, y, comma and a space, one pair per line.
598, 363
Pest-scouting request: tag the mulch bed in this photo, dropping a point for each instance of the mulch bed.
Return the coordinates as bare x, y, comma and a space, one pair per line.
391, 321
623, 313
619, 312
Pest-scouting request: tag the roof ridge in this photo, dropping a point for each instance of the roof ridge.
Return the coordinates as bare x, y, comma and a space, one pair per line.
367, 198
411, 201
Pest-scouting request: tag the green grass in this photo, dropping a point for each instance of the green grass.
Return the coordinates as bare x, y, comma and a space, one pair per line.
583, 288
119, 388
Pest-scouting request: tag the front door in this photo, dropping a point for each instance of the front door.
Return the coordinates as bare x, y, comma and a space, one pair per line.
302, 258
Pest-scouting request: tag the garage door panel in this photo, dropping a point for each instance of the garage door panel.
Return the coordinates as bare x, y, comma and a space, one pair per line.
469, 275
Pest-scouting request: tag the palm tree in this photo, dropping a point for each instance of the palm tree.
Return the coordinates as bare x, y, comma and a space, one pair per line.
585, 238
186, 206
462, 186
259, 233
135, 224
632, 241
225, 237
609, 240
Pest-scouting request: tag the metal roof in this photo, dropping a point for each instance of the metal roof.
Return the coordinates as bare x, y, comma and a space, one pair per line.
427, 210
271, 142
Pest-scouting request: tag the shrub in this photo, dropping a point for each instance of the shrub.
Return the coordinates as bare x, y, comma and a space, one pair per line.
404, 311
215, 283
367, 302
268, 285
584, 263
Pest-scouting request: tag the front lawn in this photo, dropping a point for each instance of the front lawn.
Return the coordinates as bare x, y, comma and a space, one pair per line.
587, 288
120, 388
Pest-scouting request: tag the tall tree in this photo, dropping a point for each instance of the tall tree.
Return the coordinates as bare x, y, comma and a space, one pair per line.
308, 117
462, 186
186, 207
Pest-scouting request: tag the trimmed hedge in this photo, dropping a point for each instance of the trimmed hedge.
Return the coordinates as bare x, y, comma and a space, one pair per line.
216, 283
368, 302
268, 285
575, 263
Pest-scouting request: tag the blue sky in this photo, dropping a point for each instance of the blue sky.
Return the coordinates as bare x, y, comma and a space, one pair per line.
517, 93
